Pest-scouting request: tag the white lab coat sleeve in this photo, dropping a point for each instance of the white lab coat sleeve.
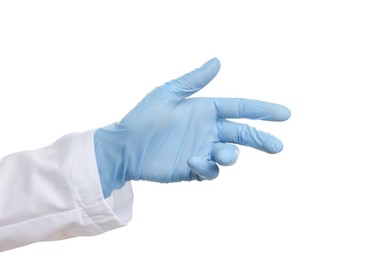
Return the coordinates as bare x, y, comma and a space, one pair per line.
54, 193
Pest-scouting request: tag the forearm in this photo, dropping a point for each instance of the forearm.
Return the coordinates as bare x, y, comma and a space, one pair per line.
54, 193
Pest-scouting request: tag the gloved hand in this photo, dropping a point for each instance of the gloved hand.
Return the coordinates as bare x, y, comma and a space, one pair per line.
168, 137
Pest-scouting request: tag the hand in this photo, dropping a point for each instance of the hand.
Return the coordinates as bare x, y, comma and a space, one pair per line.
169, 137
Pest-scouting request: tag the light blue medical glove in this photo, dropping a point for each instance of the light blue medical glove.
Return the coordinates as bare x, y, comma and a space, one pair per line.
169, 137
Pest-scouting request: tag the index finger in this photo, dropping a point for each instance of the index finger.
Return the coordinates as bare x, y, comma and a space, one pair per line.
251, 109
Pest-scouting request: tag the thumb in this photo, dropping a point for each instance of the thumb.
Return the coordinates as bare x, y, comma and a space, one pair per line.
183, 87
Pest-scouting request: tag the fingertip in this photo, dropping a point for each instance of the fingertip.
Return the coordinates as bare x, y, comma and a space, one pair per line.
286, 113
211, 68
215, 61
279, 113
275, 146
205, 169
188, 84
227, 156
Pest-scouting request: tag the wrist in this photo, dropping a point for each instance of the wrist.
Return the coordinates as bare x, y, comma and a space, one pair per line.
110, 144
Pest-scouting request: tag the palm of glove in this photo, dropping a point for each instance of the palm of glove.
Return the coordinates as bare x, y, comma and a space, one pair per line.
169, 137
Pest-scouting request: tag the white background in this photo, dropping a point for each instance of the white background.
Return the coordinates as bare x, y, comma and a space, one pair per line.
70, 66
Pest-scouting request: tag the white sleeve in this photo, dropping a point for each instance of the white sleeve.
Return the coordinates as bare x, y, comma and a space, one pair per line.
54, 193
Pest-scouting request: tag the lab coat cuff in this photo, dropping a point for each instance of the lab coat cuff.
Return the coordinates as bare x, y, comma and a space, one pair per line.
107, 214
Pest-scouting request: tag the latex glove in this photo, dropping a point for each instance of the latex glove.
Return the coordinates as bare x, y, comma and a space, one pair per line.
168, 137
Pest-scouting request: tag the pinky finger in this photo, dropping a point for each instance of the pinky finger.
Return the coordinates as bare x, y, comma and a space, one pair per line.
203, 168
224, 154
